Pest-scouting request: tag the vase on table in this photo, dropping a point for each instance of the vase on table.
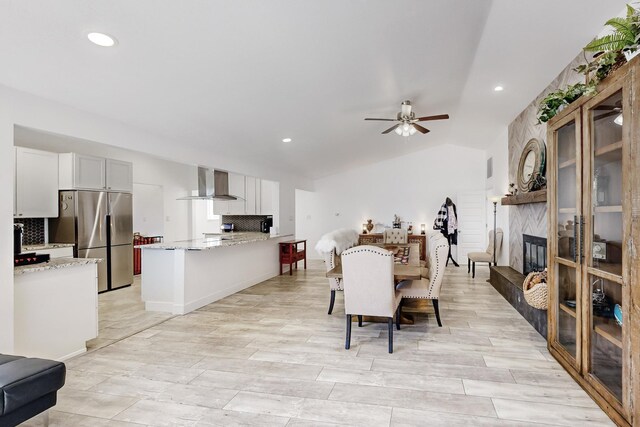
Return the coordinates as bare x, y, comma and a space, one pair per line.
369, 225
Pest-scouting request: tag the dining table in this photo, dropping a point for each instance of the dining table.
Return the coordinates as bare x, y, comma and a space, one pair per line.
400, 272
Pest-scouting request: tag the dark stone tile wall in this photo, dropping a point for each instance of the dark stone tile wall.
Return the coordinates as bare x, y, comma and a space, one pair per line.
509, 282
245, 222
33, 231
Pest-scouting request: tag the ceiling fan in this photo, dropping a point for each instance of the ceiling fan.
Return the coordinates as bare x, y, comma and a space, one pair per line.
408, 122
610, 110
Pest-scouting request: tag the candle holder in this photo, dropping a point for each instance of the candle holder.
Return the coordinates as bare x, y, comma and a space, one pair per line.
423, 229
364, 228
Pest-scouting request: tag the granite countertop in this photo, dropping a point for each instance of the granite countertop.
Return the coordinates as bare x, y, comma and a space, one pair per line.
54, 264
223, 240
45, 246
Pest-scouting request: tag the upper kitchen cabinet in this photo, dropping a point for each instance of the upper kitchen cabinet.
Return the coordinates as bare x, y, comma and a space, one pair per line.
36, 179
269, 197
236, 188
83, 172
252, 195
119, 175
232, 207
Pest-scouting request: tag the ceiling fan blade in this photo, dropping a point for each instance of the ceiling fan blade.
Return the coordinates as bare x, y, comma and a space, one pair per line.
392, 128
438, 117
420, 128
605, 115
382, 120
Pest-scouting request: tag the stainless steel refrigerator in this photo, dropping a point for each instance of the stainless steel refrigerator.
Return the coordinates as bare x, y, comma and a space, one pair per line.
100, 224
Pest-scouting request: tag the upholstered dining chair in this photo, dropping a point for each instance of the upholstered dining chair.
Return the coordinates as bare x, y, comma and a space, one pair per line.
486, 256
395, 235
369, 287
330, 262
428, 287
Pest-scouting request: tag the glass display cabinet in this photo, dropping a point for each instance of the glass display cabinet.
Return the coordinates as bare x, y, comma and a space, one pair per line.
593, 219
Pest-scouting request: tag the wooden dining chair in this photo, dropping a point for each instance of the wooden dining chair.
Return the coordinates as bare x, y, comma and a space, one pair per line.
429, 287
331, 260
369, 287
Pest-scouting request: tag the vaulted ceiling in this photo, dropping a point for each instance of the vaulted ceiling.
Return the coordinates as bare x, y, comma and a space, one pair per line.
236, 77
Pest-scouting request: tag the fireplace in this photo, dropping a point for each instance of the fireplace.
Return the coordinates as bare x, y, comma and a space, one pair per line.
534, 253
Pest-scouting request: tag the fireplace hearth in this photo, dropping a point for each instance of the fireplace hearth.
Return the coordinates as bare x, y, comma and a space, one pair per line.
534, 253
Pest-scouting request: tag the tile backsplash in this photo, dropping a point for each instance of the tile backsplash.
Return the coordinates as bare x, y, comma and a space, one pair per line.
33, 231
245, 222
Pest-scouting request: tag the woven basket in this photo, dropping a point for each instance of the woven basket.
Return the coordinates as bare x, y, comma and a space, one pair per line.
538, 295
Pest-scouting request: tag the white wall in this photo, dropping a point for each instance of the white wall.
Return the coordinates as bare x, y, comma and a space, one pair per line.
203, 219
20, 108
412, 186
148, 209
498, 185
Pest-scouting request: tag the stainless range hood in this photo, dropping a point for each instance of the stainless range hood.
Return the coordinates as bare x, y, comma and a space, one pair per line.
212, 185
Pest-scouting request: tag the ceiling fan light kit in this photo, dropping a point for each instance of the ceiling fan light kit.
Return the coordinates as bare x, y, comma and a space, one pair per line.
408, 122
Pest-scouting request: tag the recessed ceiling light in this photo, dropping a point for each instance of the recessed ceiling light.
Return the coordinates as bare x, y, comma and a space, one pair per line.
101, 39
286, 140
498, 88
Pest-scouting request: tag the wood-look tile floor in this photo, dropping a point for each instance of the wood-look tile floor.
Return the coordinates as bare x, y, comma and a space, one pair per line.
271, 356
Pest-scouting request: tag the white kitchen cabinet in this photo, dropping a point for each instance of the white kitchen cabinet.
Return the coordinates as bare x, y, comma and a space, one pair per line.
56, 311
64, 252
269, 197
236, 188
232, 207
250, 195
82, 172
36, 184
119, 175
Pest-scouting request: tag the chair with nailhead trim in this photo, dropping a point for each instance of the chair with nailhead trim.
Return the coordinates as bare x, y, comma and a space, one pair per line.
429, 287
395, 235
331, 260
369, 287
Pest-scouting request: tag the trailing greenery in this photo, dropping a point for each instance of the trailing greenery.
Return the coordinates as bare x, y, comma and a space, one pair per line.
555, 101
610, 50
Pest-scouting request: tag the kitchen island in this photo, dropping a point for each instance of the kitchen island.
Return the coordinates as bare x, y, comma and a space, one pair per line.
56, 307
179, 277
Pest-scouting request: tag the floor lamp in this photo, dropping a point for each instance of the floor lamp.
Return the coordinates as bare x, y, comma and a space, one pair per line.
495, 200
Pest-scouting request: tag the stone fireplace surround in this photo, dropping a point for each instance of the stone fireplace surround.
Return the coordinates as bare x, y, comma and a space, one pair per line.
531, 218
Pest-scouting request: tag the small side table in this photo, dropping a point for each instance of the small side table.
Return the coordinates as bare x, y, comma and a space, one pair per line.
290, 253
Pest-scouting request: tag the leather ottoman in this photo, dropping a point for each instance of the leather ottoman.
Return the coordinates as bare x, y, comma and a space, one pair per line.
28, 386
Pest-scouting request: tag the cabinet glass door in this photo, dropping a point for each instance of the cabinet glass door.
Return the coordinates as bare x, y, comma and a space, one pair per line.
566, 146
604, 240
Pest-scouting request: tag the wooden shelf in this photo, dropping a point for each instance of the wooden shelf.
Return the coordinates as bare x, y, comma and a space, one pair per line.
567, 210
610, 331
611, 268
569, 310
567, 164
609, 148
608, 151
608, 209
539, 196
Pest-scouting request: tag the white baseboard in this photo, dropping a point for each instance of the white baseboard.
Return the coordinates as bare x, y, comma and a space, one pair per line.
164, 306
170, 307
72, 354
223, 293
